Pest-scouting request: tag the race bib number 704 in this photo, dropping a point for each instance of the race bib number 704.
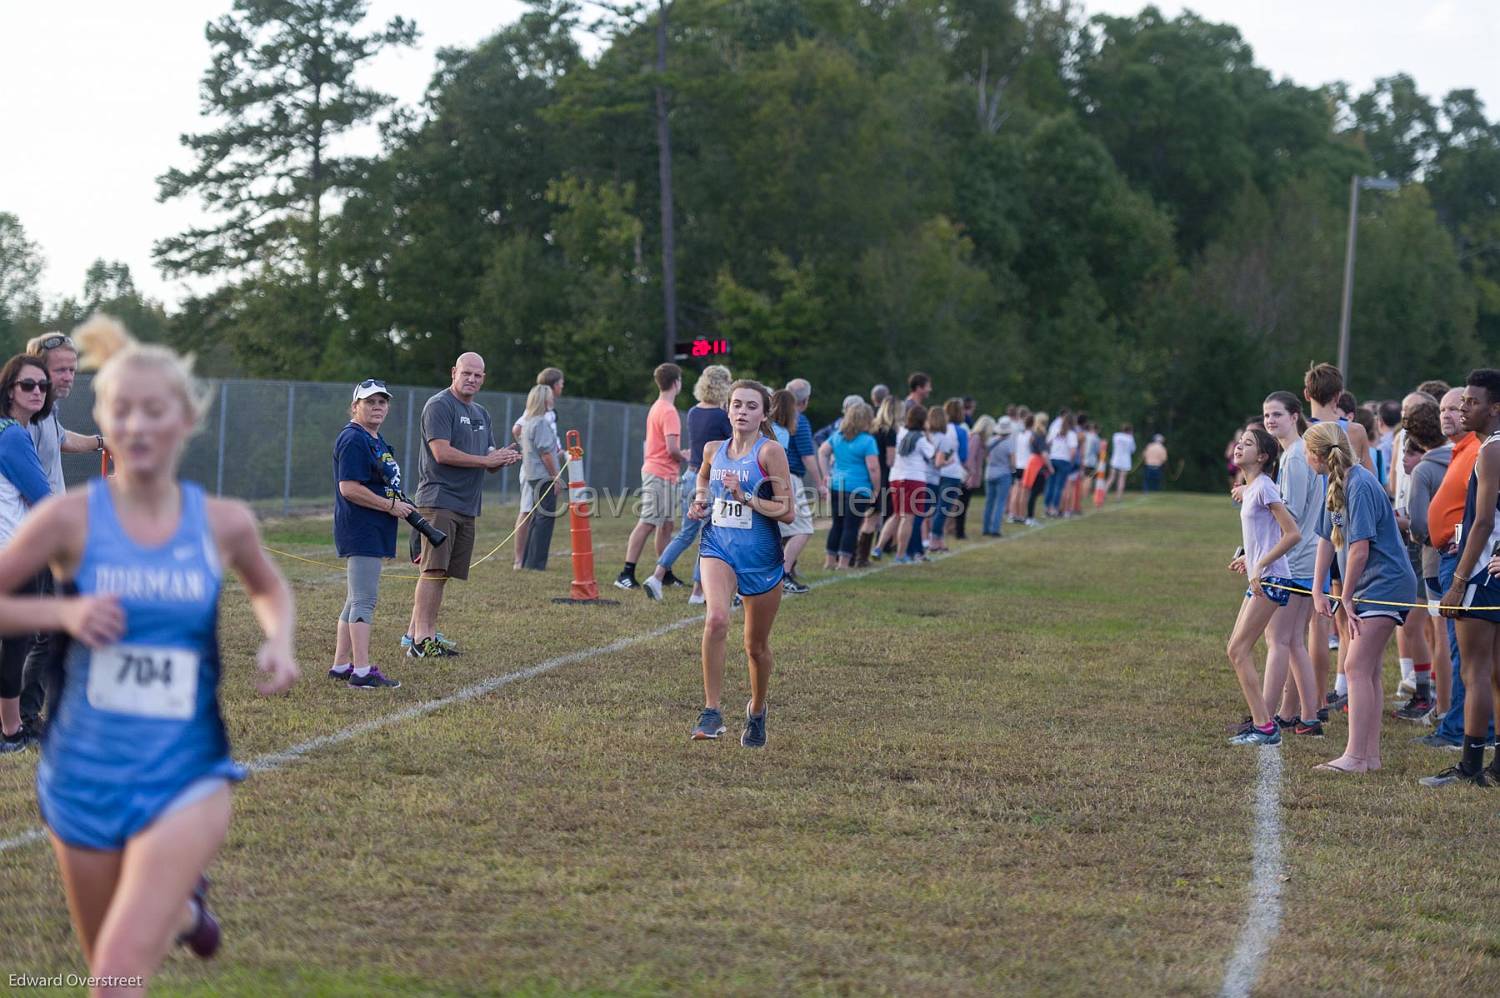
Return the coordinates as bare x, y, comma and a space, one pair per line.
144, 681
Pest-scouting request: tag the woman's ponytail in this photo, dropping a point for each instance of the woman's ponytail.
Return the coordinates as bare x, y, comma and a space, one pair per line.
1328, 442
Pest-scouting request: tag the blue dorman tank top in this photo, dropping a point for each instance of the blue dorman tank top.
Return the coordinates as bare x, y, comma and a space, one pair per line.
748, 540
145, 711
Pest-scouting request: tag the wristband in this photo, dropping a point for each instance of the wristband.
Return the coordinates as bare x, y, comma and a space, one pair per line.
393, 504
98, 439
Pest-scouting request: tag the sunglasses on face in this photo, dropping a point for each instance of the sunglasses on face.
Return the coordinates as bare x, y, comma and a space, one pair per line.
31, 385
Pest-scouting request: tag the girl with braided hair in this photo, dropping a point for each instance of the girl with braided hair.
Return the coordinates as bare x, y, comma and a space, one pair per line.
1358, 527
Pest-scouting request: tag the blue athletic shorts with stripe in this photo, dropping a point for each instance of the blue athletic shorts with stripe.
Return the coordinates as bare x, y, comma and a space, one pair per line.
1272, 586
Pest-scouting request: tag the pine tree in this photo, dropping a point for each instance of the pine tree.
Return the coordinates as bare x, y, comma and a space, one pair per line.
282, 85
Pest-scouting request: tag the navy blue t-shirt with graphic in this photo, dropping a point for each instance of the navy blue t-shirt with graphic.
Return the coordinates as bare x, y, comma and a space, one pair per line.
358, 530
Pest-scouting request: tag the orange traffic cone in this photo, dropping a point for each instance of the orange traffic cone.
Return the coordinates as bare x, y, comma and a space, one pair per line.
584, 588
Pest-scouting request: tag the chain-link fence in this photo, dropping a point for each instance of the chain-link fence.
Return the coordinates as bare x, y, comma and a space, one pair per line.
271, 442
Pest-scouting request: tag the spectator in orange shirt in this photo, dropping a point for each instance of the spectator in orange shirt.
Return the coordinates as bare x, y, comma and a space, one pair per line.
664, 459
1444, 514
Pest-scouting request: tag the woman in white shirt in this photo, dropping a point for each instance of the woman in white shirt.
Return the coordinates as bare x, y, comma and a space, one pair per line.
951, 475
1121, 457
1062, 448
910, 493
1022, 443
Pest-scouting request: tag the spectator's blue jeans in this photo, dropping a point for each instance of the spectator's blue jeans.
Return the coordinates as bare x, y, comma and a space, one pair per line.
1153, 479
996, 494
1057, 483
949, 492
1452, 727
688, 532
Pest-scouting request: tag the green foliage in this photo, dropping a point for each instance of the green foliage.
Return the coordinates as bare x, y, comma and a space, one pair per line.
282, 81
1126, 215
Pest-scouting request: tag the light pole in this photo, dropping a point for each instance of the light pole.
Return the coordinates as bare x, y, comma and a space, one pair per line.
1356, 184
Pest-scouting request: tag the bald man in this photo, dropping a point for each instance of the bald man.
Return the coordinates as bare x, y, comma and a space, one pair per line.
458, 449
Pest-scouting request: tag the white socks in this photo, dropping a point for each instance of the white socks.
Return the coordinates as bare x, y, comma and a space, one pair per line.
1408, 668
1341, 685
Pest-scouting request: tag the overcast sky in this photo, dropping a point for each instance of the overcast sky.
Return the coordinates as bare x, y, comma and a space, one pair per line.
96, 93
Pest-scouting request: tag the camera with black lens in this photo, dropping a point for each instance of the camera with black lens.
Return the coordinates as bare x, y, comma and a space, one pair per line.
421, 524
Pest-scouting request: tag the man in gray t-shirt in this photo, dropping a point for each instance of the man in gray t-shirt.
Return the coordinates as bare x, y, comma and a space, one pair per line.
458, 448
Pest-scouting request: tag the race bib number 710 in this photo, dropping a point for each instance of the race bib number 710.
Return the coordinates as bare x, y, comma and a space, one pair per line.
732, 514
144, 681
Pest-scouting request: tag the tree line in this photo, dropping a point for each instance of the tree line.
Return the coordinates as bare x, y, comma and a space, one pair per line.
1124, 214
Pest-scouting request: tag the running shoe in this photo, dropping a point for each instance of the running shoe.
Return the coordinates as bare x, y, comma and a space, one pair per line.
341, 672
374, 680
1245, 724
671, 580
1313, 729
1257, 737
1407, 687
1333, 641
1456, 774
626, 581
754, 735
449, 645
710, 725
653, 587
22, 740
1434, 740
1419, 709
1283, 723
738, 601
792, 585
696, 600
877, 554
431, 648
1337, 701
1322, 715
204, 937
1030, 521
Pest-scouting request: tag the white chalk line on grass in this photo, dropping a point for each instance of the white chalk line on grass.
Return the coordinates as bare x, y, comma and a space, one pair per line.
276, 760
1263, 921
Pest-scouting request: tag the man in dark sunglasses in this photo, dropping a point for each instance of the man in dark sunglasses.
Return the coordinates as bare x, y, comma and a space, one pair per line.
42, 677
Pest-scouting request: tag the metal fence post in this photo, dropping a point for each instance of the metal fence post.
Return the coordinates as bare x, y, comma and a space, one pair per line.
505, 472
286, 488
407, 453
589, 441
223, 419
624, 447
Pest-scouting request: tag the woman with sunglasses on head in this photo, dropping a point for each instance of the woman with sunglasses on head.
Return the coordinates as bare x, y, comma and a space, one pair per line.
744, 492
367, 507
25, 398
134, 778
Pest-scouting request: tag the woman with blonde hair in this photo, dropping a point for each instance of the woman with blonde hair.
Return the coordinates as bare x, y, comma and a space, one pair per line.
707, 422
1359, 527
134, 779
852, 483
539, 471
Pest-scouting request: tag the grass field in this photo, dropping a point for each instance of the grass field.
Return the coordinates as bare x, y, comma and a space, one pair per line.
999, 773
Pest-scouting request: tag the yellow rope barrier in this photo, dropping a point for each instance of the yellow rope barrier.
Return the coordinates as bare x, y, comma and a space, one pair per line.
506, 540
1268, 584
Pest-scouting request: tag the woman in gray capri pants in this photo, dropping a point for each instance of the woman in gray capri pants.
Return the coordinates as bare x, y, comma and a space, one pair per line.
367, 506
